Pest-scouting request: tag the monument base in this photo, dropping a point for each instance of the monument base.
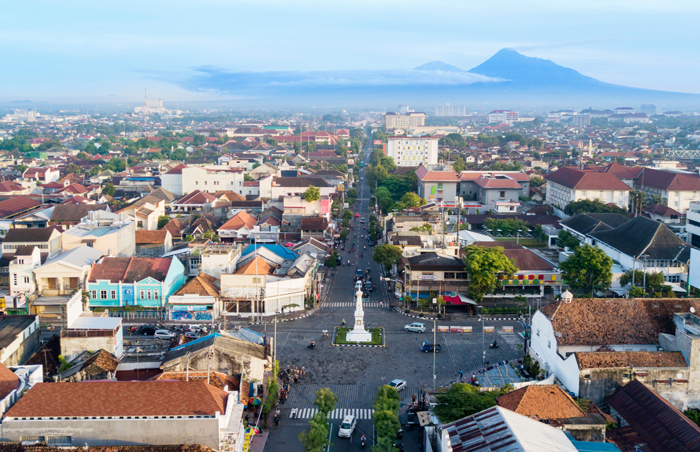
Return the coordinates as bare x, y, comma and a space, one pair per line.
358, 335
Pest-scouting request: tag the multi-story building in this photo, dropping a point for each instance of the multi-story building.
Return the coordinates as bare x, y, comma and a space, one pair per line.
186, 179
581, 120
111, 233
692, 225
450, 110
503, 117
403, 121
672, 189
569, 184
413, 151
649, 109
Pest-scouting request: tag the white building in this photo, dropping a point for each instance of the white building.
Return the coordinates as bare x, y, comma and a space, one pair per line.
569, 184
676, 190
186, 179
26, 259
404, 121
503, 117
413, 151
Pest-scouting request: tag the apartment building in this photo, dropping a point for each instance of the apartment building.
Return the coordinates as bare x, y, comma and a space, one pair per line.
403, 121
413, 151
569, 184
503, 117
450, 110
210, 179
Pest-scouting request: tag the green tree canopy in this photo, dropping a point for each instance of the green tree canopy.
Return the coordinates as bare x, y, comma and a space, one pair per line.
508, 226
588, 269
592, 206
312, 194
463, 400
409, 200
162, 221
109, 189
387, 255
566, 239
325, 401
454, 140
485, 266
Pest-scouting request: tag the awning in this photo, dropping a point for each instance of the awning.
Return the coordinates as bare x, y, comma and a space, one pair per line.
620, 292
459, 299
677, 288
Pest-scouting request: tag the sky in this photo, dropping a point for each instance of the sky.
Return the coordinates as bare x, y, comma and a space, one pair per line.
79, 51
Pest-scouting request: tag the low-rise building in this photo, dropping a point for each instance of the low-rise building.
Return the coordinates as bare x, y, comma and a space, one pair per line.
25, 260
111, 233
568, 185
674, 189
198, 300
153, 243
19, 338
66, 272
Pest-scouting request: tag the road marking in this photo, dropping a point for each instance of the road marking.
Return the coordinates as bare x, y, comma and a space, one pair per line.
338, 413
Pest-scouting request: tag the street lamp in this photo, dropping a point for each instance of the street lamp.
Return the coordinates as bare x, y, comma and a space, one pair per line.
499, 232
483, 342
517, 236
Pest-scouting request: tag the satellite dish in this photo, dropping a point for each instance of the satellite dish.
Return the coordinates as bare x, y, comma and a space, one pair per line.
692, 310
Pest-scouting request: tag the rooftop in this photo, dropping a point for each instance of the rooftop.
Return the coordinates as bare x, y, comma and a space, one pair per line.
116, 398
541, 402
610, 360
585, 180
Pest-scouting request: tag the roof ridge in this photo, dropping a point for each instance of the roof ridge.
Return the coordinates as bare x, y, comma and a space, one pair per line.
126, 271
658, 227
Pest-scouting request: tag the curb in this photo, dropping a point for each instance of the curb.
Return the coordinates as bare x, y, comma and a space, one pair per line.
399, 310
383, 344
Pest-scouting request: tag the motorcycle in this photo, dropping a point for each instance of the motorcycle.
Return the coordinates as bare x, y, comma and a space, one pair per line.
494, 344
312, 345
363, 440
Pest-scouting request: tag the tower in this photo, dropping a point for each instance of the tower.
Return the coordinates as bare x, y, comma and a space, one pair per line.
358, 332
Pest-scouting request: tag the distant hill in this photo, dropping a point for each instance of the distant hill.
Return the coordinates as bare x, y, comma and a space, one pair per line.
438, 66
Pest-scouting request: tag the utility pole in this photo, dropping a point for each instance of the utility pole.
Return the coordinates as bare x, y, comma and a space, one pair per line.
434, 352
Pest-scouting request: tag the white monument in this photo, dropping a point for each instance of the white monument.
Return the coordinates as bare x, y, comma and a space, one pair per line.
358, 332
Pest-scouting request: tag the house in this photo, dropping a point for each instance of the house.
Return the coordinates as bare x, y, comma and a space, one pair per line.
198, 300
113, 413
237, 227
12, 188
313, 247
569, 185
437, 185
84, 332
295, 186
500, 429
594, 346
194, 201
648, 420
221, 352
313, 227
264, 170
184, 179
111, 233
25, 260
19, 338
14, 207
100, 365
499, 192
642, 243
584, 223
68, 215
134, 281
66, 272
673, 189
146, 211
552, 405
659, 212
153, 243
43, 175
48, 240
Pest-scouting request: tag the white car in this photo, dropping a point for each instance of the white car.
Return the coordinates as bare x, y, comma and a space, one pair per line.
398, 384
347, 427
163, 334
415, 326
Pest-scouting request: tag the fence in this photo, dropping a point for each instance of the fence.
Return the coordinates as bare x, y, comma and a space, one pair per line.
138, 315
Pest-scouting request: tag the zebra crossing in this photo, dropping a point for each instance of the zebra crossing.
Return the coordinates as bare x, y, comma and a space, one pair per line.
349, 304
338, 413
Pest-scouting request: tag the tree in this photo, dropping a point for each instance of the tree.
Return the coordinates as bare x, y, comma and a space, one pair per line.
332, 260
344, 233
211, 235
386, 416
410, 200
537, 181
109, 189
162, 221
566, 239
454, 140
508, 227
463, 400
82, 155
116, 165
312, 194
594, 206
271, 142
427, 227
352, 193
484, 265
387, 255
72, 168
458, 165
316, 439
21, 168
325, 401
588, 269
347, 215
247, 177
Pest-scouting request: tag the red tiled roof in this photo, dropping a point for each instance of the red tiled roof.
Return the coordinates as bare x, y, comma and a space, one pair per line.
196, 197
151, 237
660, 209
238, 221
490, 182
541, 402
666, 180
75, 189
202, 284
9, 186
8, 381
16, 205
177, 169
608, 360
130, 269
584, 180
120, 398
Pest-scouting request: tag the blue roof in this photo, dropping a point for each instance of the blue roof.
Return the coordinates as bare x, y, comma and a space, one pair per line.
585, 446
279, 250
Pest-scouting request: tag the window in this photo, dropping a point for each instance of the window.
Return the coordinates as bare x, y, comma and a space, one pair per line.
148, 294
93, 294
15, 278
20, 261
502, 194
113, 294
155, 294
26, 280
141, 294
449, 276
103, 294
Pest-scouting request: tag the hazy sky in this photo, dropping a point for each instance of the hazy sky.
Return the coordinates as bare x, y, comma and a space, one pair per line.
110, 51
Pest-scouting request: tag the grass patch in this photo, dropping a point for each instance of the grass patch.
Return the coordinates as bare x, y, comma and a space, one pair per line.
342, 331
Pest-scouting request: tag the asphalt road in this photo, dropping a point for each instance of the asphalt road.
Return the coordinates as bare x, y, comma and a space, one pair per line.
355, 373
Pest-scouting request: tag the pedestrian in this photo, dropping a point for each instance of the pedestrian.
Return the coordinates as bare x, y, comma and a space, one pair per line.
461, 375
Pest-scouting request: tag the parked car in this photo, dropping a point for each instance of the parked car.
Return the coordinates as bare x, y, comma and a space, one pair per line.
415, 326
163, 334
398, 384
148, 330
191, 335
348, 426
368, 286
428, 347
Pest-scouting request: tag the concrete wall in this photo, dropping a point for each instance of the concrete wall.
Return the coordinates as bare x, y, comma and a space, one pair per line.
543, 348
226, 361
113, 432
71, 347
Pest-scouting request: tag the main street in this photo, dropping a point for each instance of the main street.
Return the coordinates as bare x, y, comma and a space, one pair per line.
355, 373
